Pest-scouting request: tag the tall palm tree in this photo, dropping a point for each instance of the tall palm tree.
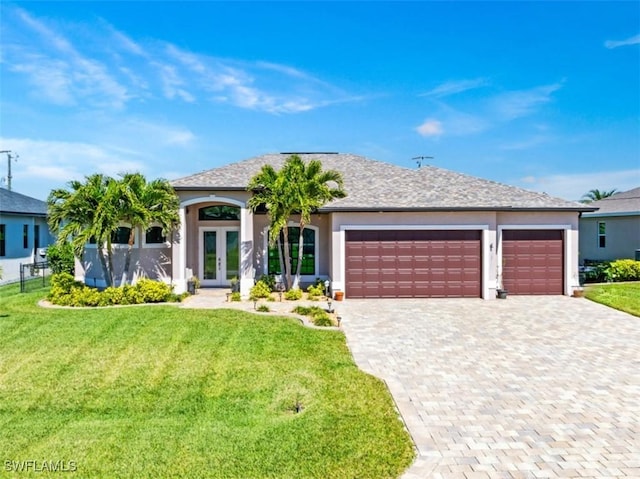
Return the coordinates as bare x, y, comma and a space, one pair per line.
85, 213
595, 195
270, 190
298, 188
142, 204
311, 188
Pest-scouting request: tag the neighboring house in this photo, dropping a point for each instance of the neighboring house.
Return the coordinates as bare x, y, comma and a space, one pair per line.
400, 232
613, 231
23, 230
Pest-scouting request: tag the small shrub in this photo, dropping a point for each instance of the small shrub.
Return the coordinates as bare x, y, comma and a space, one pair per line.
236, 296
303, 310
60, 258
623, 270
111, 296
269, 280
293, 294
321, 318
315, 291
153, 291
260, 290
271, 299
263, 308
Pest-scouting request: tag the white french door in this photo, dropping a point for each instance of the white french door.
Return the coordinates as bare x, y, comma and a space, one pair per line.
219, 255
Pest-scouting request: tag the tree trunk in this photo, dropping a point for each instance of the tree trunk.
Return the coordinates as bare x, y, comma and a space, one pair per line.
105, 268
296, 281
110, 262
287, 256
127, 258
281, 261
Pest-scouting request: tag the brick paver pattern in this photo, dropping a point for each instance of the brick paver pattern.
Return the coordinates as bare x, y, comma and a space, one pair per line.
527, 387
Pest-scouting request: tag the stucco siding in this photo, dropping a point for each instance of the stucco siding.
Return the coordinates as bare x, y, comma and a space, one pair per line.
622, 238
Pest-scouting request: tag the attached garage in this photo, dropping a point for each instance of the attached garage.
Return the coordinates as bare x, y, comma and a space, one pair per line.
413, 263
532, 261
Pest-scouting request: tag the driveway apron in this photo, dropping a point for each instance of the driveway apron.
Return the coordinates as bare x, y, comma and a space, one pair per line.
526, 387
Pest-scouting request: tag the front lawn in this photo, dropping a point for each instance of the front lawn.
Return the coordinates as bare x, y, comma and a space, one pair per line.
160, 391
622, 296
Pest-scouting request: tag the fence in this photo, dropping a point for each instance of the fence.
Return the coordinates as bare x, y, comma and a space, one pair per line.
30, 274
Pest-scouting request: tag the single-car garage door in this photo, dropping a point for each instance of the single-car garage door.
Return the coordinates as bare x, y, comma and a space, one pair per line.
413, 263
532, 261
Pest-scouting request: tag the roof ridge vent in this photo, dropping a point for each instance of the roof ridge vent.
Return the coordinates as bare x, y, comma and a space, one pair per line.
309, 153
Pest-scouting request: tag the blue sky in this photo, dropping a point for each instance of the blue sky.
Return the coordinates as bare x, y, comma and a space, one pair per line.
541, 95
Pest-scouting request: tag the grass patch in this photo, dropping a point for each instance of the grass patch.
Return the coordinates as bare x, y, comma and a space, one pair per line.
622, 296
161, 391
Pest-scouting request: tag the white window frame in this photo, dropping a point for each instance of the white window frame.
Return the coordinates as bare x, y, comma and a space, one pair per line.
117, 245
602, 235
165, 244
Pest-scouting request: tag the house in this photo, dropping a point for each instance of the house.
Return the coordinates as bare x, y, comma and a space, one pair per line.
400, 232
23, 231
613, 231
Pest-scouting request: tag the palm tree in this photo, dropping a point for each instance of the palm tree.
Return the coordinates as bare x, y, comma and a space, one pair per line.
595, 195
311, 188
297, 188
85, 213
270, 190
142, 204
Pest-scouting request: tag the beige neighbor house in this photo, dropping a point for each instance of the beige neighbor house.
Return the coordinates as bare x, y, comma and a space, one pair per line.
613, 231
400, 232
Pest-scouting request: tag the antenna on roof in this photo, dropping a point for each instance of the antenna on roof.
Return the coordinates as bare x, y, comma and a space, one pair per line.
10, 157
418, 159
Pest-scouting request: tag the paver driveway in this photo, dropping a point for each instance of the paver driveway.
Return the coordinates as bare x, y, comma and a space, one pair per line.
526, 387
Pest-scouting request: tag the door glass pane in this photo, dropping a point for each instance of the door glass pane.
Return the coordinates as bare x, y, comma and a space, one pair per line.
210, 256
233, 255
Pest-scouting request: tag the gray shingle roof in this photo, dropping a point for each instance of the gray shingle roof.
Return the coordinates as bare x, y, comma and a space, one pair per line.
375, 185
16, 203
624, 202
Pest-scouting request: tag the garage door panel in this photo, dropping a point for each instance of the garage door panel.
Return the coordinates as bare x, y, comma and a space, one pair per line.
413, 263
533, 261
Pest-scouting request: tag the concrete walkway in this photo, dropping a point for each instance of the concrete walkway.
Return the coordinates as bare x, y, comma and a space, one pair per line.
527, 387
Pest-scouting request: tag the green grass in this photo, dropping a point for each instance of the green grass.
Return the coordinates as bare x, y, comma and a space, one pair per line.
168, 392
622, 296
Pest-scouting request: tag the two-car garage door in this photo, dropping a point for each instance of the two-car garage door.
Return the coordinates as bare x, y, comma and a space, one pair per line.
413, 263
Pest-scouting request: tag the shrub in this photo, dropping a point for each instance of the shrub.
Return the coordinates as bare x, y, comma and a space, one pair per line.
269, 280
293, 294
111, 296
303, 310
153, 291
260, 290
263, 308
60, 258
235, 296
623, 270
321, 318
315, 291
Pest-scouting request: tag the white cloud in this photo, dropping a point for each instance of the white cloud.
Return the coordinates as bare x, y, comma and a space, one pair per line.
520, 103
430, 127
456, 86
525, 144
635, 40
573, 186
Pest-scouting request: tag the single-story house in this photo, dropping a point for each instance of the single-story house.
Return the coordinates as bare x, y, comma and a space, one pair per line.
613, 231
400, 232
23, 232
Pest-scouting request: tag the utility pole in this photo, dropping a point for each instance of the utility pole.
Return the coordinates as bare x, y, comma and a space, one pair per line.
418, 159
9, 158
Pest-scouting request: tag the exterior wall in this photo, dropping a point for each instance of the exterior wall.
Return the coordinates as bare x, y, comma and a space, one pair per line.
491, 224
152, 262
15, 253
622, 238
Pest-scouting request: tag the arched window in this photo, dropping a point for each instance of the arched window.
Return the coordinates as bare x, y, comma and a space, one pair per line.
154, 236
219, 213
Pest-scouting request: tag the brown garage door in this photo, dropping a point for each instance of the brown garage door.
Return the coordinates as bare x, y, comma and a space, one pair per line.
398, 264
532, 261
